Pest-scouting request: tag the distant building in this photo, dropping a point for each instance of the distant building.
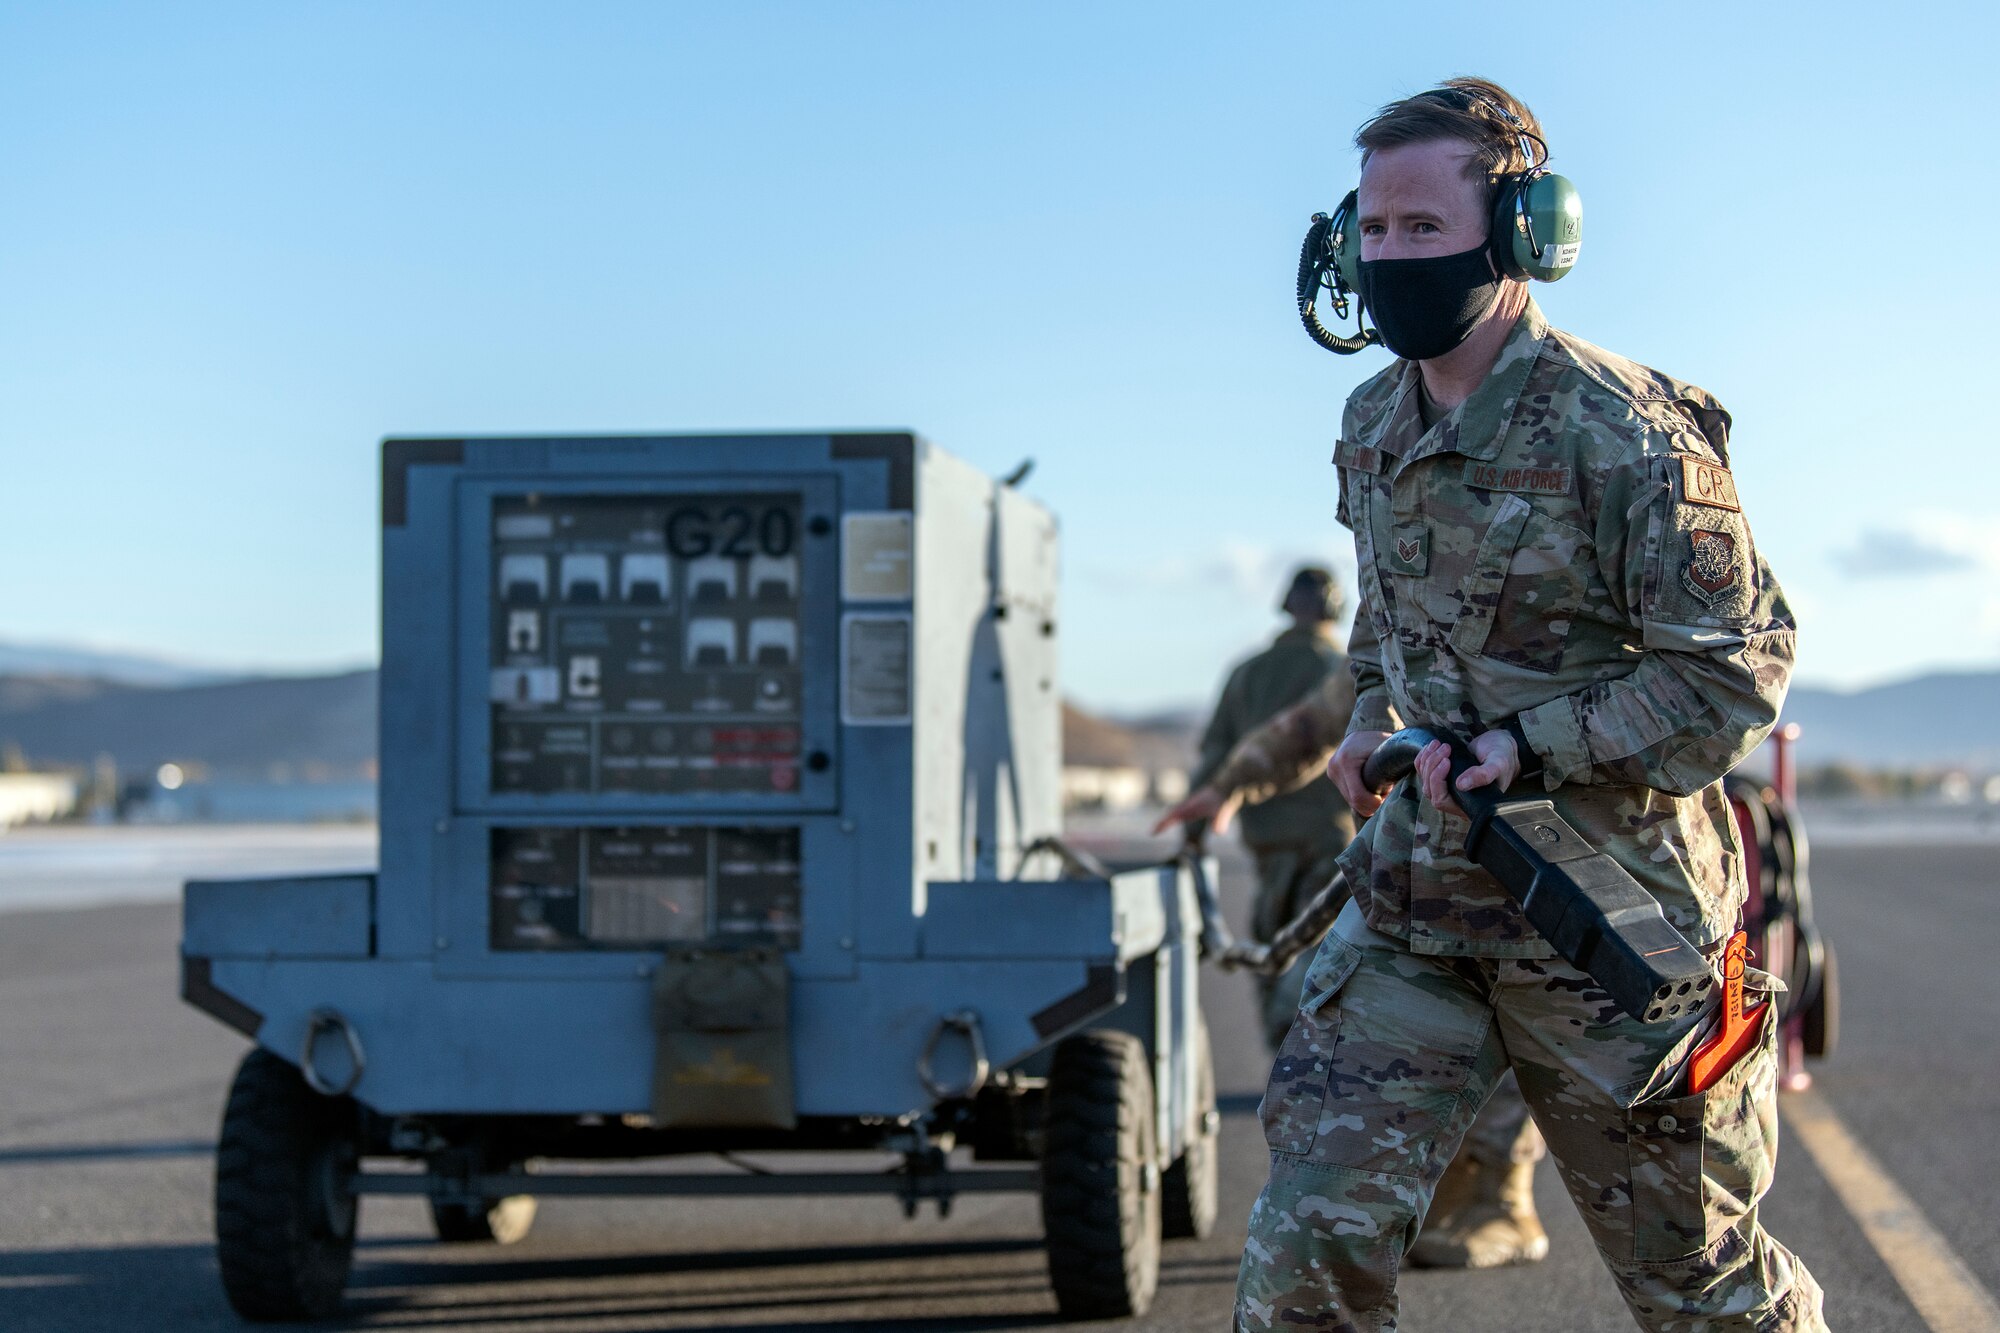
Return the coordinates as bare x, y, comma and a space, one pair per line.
35, 798
1118, 766
1089, 788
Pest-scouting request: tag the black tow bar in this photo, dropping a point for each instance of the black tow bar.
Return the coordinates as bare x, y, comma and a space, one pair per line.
1580, 900
1583, 902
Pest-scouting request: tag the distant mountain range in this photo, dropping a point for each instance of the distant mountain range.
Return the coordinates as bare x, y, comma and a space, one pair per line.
1944, 719
43, 659
235, 728
65, 707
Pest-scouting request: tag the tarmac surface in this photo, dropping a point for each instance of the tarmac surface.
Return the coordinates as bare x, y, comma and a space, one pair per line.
110, 1091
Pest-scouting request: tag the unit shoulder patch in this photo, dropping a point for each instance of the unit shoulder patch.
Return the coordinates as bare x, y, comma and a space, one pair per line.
1712, 570
1530, 480
1706, 483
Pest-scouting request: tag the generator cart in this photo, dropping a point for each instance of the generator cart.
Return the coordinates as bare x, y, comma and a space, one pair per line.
719, 813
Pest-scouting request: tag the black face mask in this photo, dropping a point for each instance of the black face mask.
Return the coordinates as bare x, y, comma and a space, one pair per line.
1426, 307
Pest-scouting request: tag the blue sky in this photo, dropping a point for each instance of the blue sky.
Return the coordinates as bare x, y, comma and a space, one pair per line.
240, 244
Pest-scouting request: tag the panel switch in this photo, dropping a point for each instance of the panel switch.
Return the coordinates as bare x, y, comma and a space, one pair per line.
524, 632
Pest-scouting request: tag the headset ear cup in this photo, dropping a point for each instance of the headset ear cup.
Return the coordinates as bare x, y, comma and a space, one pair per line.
1537, 226
1346, 237
1554, 211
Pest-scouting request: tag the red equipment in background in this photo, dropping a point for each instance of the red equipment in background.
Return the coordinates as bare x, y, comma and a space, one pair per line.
1784, 940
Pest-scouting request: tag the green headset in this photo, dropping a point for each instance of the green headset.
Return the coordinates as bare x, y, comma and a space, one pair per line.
1536, 232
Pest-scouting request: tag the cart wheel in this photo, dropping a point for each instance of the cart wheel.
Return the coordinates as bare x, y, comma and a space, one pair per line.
284, 1201
1101, 1179
502, 1221
1191, 1190
1822, 1021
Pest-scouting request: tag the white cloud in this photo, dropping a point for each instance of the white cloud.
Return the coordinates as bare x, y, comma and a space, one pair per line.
1986, 618
1235, 568
1923, 545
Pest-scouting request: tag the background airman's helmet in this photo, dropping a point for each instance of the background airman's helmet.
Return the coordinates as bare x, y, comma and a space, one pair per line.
1313, 590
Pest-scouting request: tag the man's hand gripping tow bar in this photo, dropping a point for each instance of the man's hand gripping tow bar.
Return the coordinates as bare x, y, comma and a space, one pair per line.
1580, 900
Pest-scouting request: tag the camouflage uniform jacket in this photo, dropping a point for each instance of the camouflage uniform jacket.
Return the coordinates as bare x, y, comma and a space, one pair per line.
1291, 749
1566, 548
1295, 663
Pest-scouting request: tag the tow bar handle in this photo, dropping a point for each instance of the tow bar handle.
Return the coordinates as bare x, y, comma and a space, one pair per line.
1220, 946
1581, 901
1217, 940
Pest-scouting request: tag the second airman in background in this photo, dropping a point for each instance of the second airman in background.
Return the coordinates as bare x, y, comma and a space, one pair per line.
1294, 832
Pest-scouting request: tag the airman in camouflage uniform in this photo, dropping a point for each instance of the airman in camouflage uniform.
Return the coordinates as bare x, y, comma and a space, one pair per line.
1553, 561
1296, 836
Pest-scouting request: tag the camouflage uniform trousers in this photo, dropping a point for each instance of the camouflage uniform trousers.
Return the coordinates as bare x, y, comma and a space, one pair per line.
1288, 878
1393, 1053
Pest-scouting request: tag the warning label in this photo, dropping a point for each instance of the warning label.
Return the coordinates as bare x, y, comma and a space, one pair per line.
875, 650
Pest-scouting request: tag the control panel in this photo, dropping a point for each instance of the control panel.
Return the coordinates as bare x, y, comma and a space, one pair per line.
666, 694
646, 644
643, 887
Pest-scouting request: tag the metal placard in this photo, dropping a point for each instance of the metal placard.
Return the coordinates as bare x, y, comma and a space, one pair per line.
875, 669
875, 557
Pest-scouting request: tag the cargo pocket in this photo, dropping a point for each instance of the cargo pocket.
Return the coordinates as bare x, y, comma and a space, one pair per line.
1528, 582
1700, 1163
1296, 1094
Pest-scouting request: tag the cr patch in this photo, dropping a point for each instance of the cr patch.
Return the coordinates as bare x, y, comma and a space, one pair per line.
1706, 483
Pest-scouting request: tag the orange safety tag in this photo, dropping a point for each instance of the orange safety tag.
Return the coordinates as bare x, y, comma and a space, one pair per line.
1738, 1032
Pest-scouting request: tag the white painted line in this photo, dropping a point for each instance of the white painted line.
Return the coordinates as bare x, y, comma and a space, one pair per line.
1946, 1294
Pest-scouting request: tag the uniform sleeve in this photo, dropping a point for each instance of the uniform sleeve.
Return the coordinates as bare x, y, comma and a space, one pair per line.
1716, 638
1291, 749
1373, 710
1224, 730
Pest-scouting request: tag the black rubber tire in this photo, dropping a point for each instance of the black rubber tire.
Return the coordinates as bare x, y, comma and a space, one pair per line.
498, 1221
284, 1214
1191, 1190
1820, 1030
1101, 1178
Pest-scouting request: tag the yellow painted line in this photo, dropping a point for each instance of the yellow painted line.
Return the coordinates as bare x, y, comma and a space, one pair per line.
1946, 1294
